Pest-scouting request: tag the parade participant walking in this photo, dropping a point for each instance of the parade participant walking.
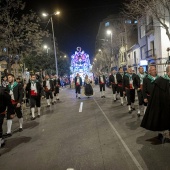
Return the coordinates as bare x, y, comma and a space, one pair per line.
113, 84
119, 77
48, 86
5, 106
57, 85
138, 81
157, 115
78, 84
88, 90
16, 92
102, 84
148, 83
34, 90
128, 87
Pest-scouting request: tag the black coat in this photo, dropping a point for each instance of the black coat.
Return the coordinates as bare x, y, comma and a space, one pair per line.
104, 79
147, 87
157, 115
119, 78
57, 82
75, 81
38, 86
112, 80
126, 82
5, 102
51, 85
18, 93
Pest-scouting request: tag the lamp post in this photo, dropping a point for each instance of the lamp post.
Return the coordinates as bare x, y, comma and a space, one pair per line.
55, 53
109, 32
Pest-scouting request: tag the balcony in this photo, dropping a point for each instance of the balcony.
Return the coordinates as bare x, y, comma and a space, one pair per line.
150, 28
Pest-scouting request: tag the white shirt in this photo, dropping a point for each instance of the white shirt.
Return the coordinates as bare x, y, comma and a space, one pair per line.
48, 84
33, 87
101, 79
115, 78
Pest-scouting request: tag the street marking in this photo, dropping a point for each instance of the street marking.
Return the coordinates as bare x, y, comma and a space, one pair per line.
120, 138
81, 107
70, 169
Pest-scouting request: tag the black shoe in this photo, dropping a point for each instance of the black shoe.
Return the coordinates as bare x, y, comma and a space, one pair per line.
79, 97
48, 105
101, 96
33, 118
7, 135
138, 115
104, 97
38, 116
20, 130
121, 104
114, 100
130, 111
2, 143
58, 99
160, 136
52, 103
132, 108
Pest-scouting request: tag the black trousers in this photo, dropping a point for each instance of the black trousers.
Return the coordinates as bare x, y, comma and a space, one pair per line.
1, 123
17, 111
56, 91
49, 94
130, 93
140, 98
35, 101
78, 89
120, 89
114, 88
102, 87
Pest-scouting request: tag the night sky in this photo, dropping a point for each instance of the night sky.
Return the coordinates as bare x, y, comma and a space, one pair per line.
78, 22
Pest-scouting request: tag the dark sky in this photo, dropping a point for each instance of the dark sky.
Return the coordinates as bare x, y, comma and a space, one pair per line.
79, 21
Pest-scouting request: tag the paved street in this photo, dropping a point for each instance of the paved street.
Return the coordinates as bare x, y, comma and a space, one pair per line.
84, 134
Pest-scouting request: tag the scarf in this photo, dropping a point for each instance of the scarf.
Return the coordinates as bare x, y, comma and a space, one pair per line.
11, 87
129, 75
33, 82
142, 76
166, 77
151, 78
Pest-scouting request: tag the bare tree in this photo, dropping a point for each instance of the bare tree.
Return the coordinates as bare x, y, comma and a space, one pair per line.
158, 9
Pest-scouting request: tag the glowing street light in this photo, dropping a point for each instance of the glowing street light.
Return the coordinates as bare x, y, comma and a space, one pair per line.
46, 48
51, 19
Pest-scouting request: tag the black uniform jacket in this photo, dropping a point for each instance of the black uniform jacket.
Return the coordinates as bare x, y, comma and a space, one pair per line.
75, 81
18, 92
51, 85
104, 79
126, 82
57, 82
38, 86
5, 102
112, 80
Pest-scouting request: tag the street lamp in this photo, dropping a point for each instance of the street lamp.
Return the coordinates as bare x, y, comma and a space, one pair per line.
109, 32
46, 48
51, 19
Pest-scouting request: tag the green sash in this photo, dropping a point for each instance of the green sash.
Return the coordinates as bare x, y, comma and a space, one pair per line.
11, 87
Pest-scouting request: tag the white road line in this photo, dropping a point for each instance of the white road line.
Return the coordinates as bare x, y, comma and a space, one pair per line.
120, 138
81, 107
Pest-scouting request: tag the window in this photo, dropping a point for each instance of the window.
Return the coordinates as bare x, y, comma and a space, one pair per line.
107, 24
142, 31
143, 51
